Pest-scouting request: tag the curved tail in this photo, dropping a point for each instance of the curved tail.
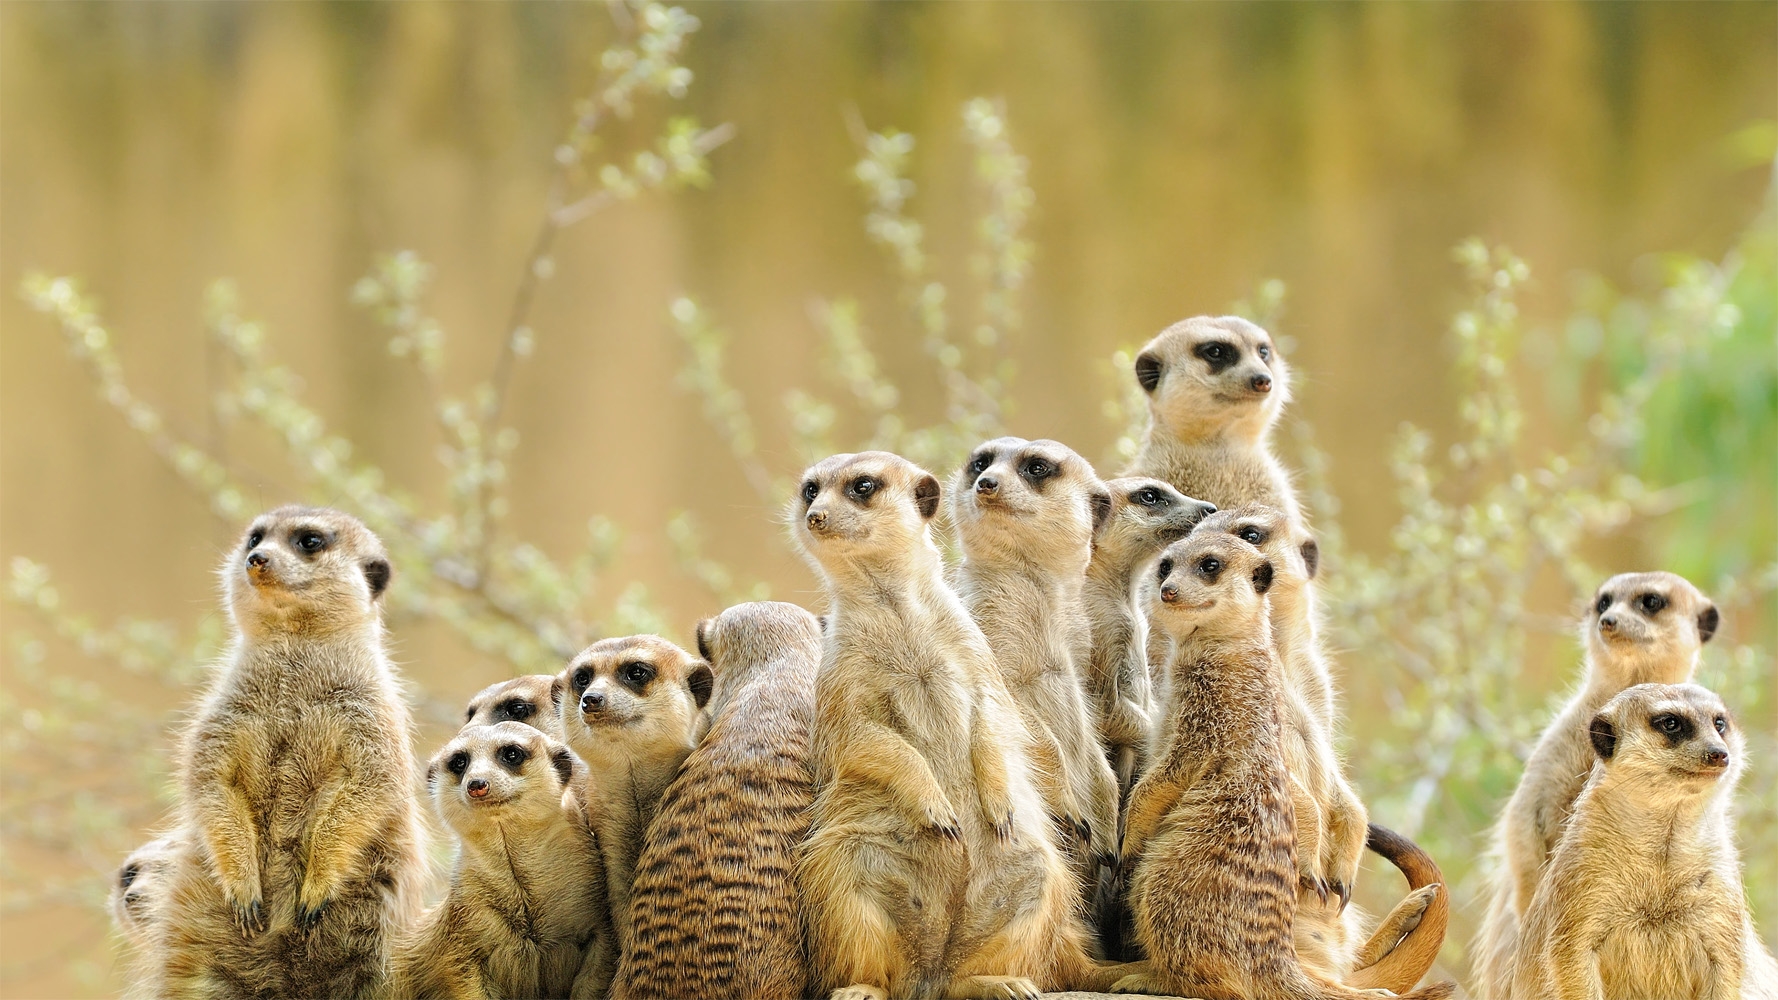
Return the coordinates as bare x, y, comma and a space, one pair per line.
1408, 939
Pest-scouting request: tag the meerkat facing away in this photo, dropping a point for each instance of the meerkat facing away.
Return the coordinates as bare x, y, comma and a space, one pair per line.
140, 880
929, 868
714, 910
632, 708
304, 845
1026, 513
1209, 834
534, 699
1640, 628
1643, 896
525, 915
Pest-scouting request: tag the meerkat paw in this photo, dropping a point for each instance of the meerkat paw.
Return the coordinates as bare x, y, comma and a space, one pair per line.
993, 988
311, 901
859, 991
249, 915
940, 819
1141, 982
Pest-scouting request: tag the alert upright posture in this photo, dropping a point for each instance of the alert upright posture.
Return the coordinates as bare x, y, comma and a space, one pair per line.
1026, 513
714, 910
297, 774
534, 699
633, 709
1642, 628
929, 869
525, 915
1643, 896
1210, 834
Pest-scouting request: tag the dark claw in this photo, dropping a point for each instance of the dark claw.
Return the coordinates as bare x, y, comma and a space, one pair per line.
307, 918
1342, 890
1003, 828
1085, 829
249, 919
1106, 859
1316, 885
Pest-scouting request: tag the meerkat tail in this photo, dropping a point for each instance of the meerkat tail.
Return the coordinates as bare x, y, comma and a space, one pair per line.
1402, 964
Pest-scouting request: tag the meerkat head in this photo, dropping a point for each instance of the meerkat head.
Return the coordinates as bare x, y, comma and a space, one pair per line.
1294, 555
138, 881
747, 636
1146, 516
305, 569
632, 689
865, 510
501, 773
535, 700
1028, 502
1213, 584
1647, 627
1660, 740
1211, 375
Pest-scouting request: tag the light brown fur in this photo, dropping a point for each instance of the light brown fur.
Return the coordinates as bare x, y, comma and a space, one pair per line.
714, 910
297, 779
1625, 646
1643, 895
525, 915
533, 699
140, 882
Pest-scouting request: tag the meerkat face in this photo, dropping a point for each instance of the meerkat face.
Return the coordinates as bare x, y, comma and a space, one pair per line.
305, 567
1210, 580
1146, 515
865, 506
1667, 738
535, 700
1648, 618
498, 772
1019, 500
137, 883
633, 687
1293, 553
1211, 374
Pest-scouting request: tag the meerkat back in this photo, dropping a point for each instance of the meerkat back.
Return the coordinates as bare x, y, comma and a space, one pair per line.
303, 847
714, 910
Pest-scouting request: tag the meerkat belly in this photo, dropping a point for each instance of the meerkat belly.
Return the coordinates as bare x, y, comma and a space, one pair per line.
1649, 956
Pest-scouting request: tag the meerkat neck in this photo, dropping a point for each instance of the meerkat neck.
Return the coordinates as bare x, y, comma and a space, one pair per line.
1656, 826
1605, 680
1221, 680
909, 586
357, 653
1245, 431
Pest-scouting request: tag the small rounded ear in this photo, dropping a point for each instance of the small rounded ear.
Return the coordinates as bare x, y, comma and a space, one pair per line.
563, 761
926, 497
431, 774
701, 681
1148, 371
555, 691
376, 573
1604, 736
1311, 557
821, 622
1708, 619
704, 639
1100, 501
1262, 577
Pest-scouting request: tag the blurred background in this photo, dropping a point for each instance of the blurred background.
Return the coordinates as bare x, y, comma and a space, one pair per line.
567, 377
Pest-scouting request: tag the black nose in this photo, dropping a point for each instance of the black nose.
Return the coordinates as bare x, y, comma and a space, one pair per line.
987, 484
257, 559
478, 787
1608, 623
592, 701
1169, 593
1716, 757
1262, 383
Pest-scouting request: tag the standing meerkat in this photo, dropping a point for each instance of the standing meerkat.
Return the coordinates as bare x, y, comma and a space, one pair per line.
714, 910
139, 883
1209, 834
1641, 628
304, 847
632, 710
1643, 896
525, 915
1146, 516
1215, 387
929, 868
1026, 513
534, 699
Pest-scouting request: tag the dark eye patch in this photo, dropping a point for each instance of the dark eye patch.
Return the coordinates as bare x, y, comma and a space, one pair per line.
1651, 603
255, 538
1166, 569
128, 875
635, 675
308, 541
1038, 470
1252, 534
512, 756
1265, 352
1603, 603
811, 490
862, 489
979, 464
1218, 354
1209, 568
1676, 728
1148, 496
1722, 724
458, 763
582, 677
515, 709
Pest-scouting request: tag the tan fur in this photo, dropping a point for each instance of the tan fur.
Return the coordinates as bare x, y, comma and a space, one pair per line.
1210, 833
525, 915
1405, 943
140, 881
1026, 513
1625, 646
632, 710
929, 869
1643, 895
297, 779
714, 910
533, 699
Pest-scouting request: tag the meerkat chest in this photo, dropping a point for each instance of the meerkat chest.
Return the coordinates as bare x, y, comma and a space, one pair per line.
1657, 942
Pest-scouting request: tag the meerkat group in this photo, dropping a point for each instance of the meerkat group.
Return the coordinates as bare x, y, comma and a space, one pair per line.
1096, 753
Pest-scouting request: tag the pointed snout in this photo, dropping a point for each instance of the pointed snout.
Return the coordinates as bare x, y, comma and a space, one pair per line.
1261, 382
592, 701
817, 519
987, 486
1203, 509
1169, 593
1716, 756
1608, 624
257, 560
477, 788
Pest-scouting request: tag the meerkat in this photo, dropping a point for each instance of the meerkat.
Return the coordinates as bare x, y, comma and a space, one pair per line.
632, 708
534, 699
930, 867
1146, 515
713, 908
525, 915
1209, 835
1643, 895
1641, 628
297, 779
139, 882
1026, 513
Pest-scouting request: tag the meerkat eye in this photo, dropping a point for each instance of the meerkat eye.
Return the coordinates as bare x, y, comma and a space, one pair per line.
1665, 723
255, 538
127, 877
635, 674
310, 541
1722, 725
582, 678
1651, 604
1037, 468
1604, 602
1146, 497
1250, 535
512, 755
1210, 565
458, 763
1166, 568
517, 710
811, 490
1265, 352
980, 463
863, 487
